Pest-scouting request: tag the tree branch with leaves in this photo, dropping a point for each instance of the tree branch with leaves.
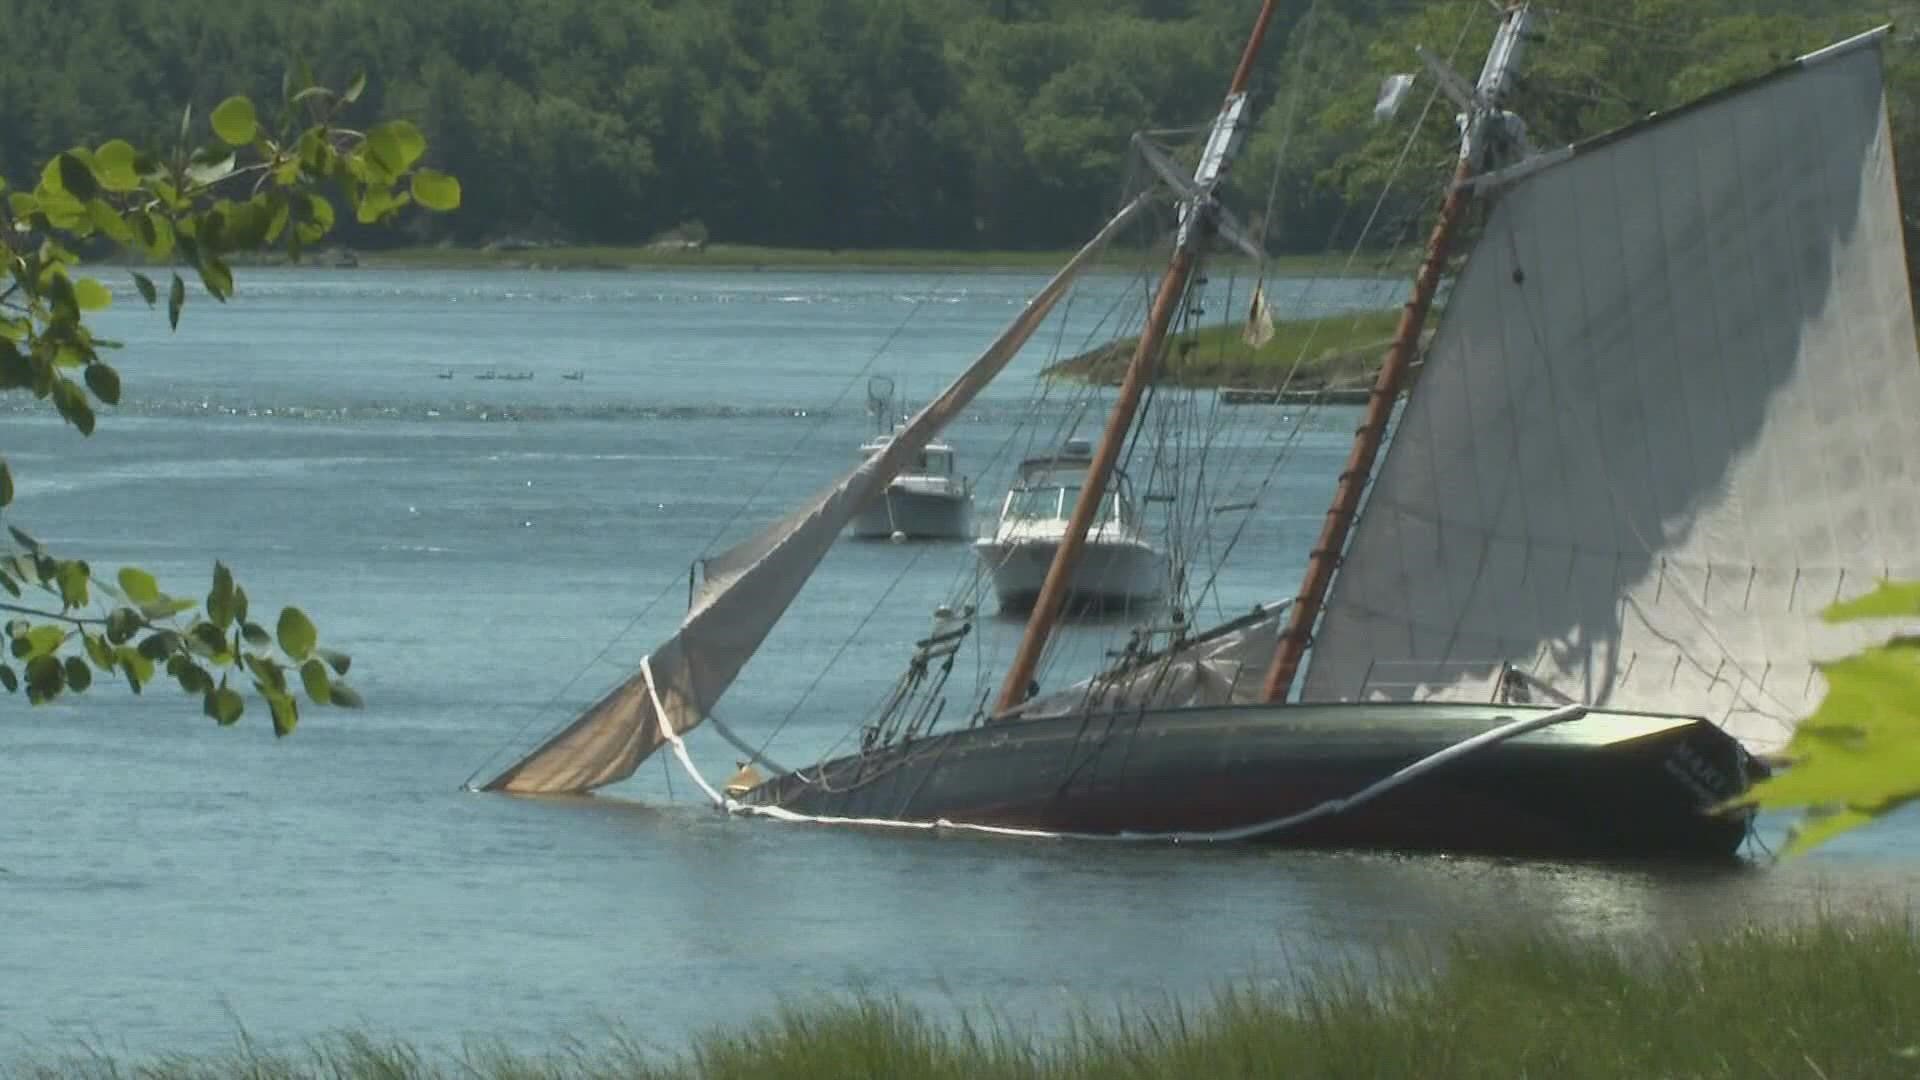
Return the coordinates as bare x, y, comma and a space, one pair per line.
255, 186
1857, 758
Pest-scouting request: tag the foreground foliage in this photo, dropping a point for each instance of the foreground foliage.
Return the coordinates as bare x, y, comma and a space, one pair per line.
1831, 999
192, 205
1857, 758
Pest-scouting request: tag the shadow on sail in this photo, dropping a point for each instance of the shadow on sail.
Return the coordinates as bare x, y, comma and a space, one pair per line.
1668, 418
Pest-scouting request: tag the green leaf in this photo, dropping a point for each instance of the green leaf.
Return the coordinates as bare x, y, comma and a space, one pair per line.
376, 203
138, 669
296, 633
220, 599
73, 584
207, 640
122, 624
72, 404
313, 676
79, 675
104, 382
319, 219
209, 166
234, 121
8, 679
108, 220
346, 697
46, 677
162, 244
338, 661
166, 607
43, 640
267, 672
218, 279
191, 677
256, 635
113, 163
355, 88
159, 644
225, 705
396, 145
139, 585
76, 179
1857, 758
6, 483
91, 295
1890, 601
239, 603
176, 299
24, 540
145, 284
436, 190
286, 712
99, 651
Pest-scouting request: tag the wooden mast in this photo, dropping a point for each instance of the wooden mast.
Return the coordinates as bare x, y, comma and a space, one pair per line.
1358, 470
1194, 231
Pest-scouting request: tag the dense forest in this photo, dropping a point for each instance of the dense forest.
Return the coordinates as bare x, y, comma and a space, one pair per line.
873, 123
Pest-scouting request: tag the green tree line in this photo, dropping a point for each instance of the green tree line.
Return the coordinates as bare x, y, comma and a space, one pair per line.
958, 124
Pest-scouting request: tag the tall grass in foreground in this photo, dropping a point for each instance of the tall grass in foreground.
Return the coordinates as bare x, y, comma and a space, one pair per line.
1833, 999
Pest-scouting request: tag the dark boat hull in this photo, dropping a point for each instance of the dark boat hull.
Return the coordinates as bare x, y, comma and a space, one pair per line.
1610, 784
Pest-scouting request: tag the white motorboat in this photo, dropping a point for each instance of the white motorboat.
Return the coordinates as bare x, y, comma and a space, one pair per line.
1120, 567
925, 502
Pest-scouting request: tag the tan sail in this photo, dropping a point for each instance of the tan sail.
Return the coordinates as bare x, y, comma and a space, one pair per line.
749, 586
1673, 411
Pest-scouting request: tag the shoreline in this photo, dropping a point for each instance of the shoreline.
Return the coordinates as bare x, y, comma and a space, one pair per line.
752, 258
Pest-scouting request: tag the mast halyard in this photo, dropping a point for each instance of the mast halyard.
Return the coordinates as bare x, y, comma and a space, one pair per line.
1196, 225
1480, 106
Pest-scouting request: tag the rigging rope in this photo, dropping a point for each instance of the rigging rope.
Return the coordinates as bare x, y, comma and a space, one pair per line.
1353, 255
766, 480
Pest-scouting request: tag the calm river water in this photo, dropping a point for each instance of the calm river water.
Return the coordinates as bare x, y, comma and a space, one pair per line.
492, 552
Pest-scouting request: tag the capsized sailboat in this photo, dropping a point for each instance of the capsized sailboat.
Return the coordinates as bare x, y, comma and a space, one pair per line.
1667, 417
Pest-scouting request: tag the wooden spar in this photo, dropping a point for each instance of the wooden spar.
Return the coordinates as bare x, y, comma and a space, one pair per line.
1327, 550
1366, 445
1140, 372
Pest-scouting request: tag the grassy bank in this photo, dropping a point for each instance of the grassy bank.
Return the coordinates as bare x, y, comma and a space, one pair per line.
752, 257
1338, 351
1832, 999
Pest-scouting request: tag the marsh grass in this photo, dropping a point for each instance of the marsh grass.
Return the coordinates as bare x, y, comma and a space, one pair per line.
1832, 998
1336, 351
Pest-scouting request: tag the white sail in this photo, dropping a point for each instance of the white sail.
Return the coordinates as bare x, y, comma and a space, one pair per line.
1673, 412
748, 587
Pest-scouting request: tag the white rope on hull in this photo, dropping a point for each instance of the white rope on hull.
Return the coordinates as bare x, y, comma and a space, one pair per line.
1431, 762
